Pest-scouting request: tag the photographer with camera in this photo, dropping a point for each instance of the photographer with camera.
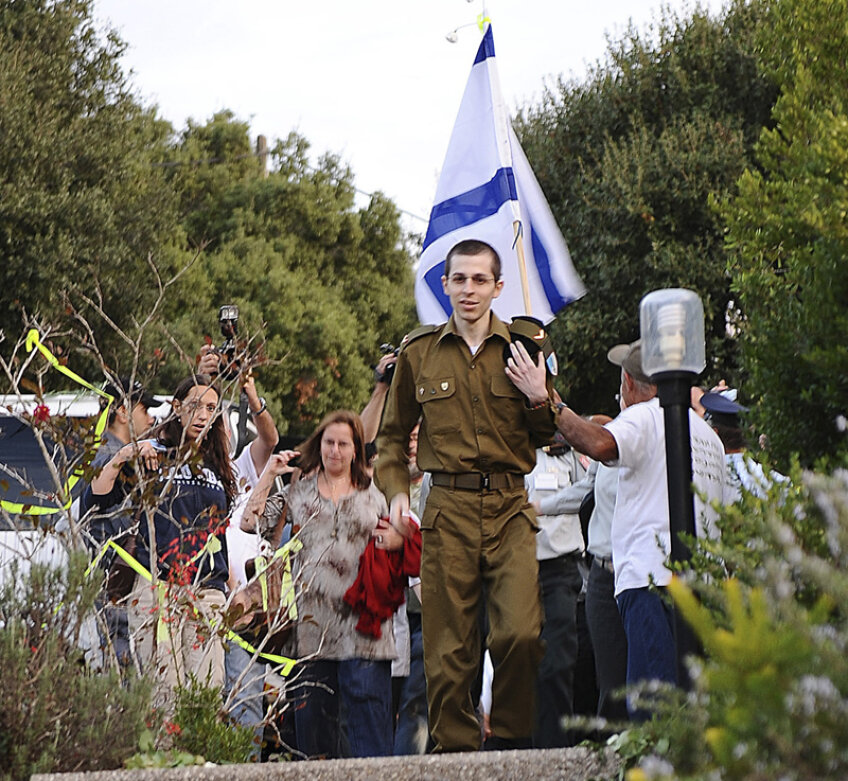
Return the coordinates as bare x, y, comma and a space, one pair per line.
383, 373
244, 686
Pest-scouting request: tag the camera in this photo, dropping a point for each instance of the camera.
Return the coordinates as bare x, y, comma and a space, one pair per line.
389, 373
228, 316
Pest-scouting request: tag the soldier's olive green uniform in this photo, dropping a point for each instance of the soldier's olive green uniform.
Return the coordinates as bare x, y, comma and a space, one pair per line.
478, 440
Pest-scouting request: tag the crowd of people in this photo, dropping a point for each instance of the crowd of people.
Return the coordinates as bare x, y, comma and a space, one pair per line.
475, 562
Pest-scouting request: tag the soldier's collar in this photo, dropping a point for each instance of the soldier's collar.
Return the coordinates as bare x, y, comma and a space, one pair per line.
496, 327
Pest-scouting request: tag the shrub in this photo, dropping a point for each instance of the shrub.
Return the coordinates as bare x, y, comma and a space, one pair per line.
770, 696
56, 713
200, 726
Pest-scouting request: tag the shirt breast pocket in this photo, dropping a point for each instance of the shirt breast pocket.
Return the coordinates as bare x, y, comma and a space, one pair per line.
439, 404
508, 407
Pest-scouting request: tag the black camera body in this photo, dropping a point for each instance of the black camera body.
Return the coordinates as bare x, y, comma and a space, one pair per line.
228, 317
387, 375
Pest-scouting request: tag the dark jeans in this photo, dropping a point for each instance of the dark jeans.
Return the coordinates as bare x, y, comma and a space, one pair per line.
609, 643
649, 625
561, 581
411, 733
344, 708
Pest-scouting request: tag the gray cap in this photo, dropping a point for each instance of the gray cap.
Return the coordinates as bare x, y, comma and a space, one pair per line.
629, 358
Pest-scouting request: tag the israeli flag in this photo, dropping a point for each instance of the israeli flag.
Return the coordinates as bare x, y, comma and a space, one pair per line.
485, 187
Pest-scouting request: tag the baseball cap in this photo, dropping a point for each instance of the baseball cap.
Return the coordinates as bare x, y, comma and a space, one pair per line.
629, 358
135, 391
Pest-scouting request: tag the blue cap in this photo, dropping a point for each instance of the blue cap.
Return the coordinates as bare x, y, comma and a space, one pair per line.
721, 409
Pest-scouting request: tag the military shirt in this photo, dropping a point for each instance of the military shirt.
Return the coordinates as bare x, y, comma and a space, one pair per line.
473, 418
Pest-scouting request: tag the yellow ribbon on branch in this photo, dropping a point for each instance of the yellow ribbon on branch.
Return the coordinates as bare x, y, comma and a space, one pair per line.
33, 342
286, 663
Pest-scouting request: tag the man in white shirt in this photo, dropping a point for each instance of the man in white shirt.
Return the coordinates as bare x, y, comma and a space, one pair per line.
721, 412
635, 442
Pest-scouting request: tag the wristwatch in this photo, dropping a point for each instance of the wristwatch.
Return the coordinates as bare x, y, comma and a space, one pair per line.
559, 407
262, 407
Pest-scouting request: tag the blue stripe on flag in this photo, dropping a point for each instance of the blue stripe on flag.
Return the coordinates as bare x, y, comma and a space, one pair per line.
543, 266
487, 47
471, 206
433, 278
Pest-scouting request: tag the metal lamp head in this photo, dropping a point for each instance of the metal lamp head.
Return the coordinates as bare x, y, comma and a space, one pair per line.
672, 326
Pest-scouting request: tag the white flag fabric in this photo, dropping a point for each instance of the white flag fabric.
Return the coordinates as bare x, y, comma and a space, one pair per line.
486, 185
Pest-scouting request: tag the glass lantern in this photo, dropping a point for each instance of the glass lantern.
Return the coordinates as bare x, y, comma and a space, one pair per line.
672, 326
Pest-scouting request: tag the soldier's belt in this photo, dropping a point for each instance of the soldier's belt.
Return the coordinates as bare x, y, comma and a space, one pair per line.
475, 481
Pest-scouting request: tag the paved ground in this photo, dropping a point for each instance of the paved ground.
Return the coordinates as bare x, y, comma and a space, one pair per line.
574, 764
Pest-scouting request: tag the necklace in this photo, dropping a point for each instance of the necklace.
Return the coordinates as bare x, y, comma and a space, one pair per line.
332, 485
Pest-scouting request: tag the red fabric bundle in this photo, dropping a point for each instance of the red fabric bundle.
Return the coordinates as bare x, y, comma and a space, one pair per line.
378, 590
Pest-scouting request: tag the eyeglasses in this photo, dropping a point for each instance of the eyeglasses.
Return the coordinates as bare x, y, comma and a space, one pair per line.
478, 280
194, 406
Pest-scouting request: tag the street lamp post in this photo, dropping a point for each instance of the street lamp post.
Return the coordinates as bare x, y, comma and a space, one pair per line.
672, 331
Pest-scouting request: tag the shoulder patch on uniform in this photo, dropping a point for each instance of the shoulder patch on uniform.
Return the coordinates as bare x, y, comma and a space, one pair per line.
417, 333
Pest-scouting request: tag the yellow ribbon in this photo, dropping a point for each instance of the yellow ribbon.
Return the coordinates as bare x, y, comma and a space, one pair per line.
33, 342
287, 600
290, 547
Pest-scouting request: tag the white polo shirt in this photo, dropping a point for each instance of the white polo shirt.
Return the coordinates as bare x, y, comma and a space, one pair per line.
640, 526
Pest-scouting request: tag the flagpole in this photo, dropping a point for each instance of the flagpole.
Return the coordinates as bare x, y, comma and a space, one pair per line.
522, 266
518, 233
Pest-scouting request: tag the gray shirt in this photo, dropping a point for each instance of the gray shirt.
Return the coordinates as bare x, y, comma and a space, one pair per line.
111, 523
600, 524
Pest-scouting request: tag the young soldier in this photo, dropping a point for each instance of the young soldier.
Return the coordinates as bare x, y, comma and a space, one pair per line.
477, 438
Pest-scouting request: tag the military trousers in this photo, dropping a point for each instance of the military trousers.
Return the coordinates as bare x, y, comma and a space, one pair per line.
470, 540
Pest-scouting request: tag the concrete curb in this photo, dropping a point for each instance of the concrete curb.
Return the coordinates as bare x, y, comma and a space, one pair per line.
573, 764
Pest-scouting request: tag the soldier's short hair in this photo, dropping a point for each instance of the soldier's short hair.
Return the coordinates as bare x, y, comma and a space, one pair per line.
474, 247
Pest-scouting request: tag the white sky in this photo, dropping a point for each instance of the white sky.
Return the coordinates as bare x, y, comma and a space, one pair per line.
374, 81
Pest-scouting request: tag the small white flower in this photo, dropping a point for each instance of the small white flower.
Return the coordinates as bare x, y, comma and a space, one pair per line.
739, 750
656, 767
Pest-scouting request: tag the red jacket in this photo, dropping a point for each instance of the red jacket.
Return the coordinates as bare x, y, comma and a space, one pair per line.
378, 590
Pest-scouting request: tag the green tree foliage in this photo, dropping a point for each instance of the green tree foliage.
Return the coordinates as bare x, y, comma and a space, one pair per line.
82, 207
628, 159
788, 237
99, 200
319, 282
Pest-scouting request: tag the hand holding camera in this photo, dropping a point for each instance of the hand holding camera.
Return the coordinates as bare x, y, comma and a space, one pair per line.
282, 463
385, 368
